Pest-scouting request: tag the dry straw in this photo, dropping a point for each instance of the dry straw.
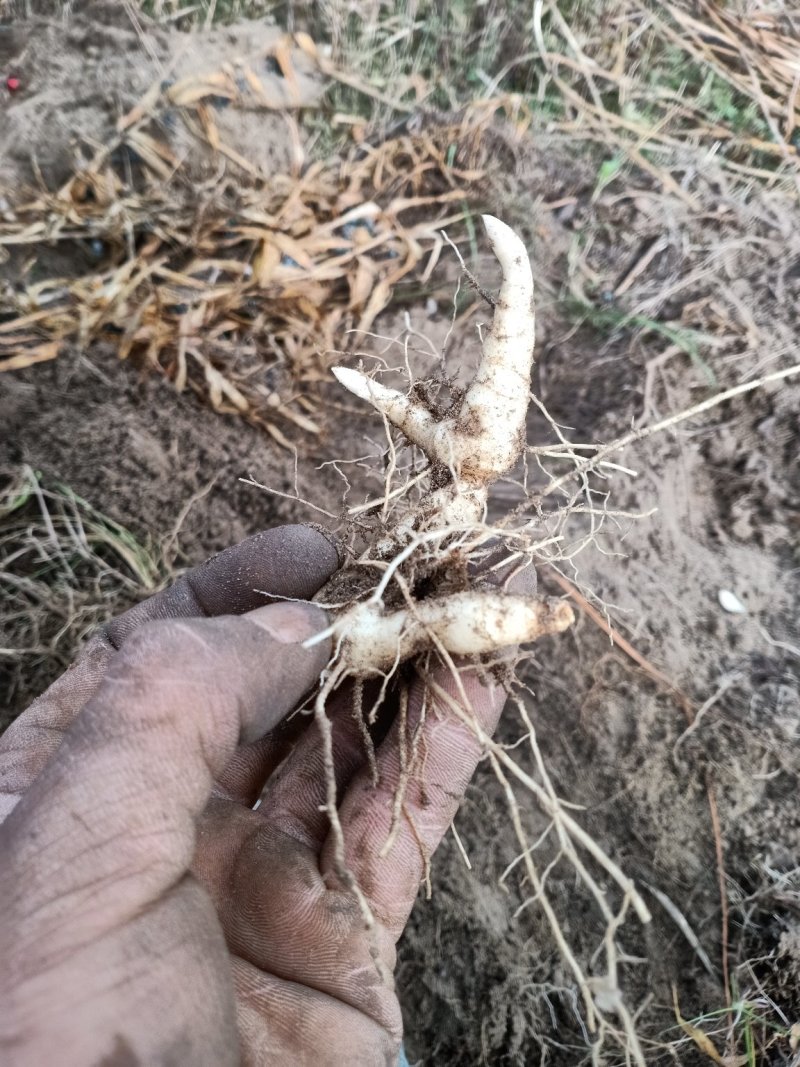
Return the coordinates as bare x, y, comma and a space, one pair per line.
611, 74
239, 289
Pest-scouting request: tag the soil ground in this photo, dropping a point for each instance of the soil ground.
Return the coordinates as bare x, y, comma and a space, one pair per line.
480, 978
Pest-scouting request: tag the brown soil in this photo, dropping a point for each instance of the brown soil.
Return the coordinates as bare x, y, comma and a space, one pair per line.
481, 984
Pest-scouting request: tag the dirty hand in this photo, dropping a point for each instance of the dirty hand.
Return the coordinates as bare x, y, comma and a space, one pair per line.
149, 915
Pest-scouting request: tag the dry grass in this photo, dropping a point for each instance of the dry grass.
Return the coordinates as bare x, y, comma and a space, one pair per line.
65, 568
655, 83
648, 83
241, 293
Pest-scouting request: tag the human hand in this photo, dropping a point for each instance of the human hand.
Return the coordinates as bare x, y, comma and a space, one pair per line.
149, 914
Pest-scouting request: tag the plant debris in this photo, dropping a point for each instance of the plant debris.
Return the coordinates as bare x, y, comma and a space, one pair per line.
242, 288
65, 568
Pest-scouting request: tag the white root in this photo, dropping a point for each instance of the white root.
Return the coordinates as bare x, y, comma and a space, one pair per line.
408, 415
372, 641
424, 550
485, 435
479, 441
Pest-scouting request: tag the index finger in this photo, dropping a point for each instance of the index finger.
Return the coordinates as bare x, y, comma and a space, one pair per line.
287, 561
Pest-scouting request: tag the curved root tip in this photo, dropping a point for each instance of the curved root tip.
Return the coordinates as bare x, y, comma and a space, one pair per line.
413, 418
509, 250
355, 382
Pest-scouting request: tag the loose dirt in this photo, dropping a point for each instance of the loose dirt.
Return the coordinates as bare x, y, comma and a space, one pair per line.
480, 979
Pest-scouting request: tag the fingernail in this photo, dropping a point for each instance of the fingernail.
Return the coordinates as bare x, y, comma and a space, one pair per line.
291, 624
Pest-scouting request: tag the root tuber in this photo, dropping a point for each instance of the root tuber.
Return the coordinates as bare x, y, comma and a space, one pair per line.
466, 624
469, 449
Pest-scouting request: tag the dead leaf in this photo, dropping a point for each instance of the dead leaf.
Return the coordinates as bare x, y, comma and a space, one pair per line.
259, 90
210, 127
703, 1041
142, 110
157, 155
41, 354
362, 283
266, 263
190, 91
215, 296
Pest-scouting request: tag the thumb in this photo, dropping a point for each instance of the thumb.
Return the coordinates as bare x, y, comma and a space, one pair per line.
109, 825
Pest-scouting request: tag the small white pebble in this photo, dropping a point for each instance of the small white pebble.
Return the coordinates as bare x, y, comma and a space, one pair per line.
728, 601
431, 307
